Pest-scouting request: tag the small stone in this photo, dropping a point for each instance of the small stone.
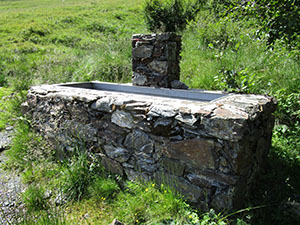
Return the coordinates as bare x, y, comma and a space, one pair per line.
136, 140
179, 184
173, 166
139, 79
197, 153
148, 148
176, 138
132, 175
164, 36
162, 126
177, 84
110, 133
161, 111
116, 222
116, 153
171, 51
137, 106
5, 140
222, 201
159, 66
226, 124
60, 199
145, 166
103, 104
188, 119
6, 203
112, 166
122, 119
142, 52
9, 128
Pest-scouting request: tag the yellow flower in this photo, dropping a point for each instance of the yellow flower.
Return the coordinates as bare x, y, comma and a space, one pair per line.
153, 185
147, 189
137, 221
190, 216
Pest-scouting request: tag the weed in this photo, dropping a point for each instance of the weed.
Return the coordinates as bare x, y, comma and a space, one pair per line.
146, 204
76, 178
34, 198
103, 188
27, 148
51, 216
233, 81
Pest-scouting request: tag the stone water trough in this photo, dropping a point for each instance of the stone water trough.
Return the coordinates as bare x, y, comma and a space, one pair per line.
207, 145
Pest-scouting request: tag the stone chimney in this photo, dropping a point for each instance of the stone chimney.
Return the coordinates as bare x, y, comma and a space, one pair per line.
155, 60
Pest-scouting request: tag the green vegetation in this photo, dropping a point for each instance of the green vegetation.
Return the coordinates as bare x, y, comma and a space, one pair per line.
170, 15
228, 46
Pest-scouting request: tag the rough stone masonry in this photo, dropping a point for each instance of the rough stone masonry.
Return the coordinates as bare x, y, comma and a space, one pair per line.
208, 151
155, 60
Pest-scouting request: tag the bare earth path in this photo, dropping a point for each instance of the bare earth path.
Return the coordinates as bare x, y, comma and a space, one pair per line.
10, 184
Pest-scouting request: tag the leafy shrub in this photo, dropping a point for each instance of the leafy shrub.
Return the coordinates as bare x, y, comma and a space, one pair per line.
233, 81
279, 19
170, 15
288, 111
287, 130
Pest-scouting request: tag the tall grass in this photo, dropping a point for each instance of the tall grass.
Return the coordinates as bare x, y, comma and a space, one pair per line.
60, 41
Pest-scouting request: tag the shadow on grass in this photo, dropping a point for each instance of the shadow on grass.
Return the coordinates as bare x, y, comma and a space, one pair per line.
277, 191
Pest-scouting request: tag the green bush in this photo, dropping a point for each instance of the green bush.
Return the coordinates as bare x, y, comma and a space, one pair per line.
278, 19
235, 81
170, 15
288, 111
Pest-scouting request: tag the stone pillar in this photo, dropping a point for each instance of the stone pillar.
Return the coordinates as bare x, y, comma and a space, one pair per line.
155, 60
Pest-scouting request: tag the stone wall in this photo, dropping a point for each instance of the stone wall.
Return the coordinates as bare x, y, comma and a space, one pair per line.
209, 151
155, 60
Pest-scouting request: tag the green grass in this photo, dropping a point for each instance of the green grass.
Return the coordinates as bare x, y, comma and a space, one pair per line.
59, 41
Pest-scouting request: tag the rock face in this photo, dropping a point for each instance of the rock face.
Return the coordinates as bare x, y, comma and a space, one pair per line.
208, 151
155, 60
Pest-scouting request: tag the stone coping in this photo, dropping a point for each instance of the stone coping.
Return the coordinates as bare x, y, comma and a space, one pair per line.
237, 108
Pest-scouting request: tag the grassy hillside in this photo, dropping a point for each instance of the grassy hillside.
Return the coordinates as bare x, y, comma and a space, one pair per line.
59, 41
52, 41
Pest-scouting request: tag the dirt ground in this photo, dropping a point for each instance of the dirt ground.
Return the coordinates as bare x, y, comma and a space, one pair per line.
10, 184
